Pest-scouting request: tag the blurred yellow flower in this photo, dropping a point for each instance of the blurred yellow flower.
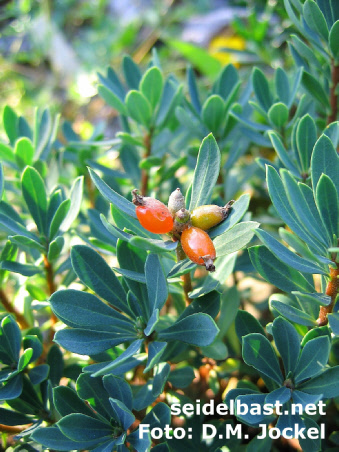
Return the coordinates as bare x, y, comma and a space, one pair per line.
231, 42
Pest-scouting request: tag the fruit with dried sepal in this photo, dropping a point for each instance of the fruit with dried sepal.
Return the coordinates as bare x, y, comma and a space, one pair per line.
152, 214
198, 247
206, 217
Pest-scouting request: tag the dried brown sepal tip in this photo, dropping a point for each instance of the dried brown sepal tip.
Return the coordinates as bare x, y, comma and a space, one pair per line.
176, 201
137, 200
208, 261
227, 209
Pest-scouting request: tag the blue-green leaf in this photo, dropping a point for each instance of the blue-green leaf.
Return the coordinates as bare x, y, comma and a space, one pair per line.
261, 89
131, 72
58, 218
324, 160
328, 204
326, 384
156, 282
277, 272
235, 239
112, 99
155, 352
34, 193
334, 40
282, 86
151, 85
113, 197
76, 197
278, 114
22, 269
80, 427
238, 210
313, 358
196, 329
306, 136
96, 274
139, 108
287, 342
288, 257
206, 172
259, 353
24, 152
293, 314
119, 389
212, 113
315, 18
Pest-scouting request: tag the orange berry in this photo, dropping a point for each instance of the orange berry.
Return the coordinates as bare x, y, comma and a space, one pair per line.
154, 216
198, 247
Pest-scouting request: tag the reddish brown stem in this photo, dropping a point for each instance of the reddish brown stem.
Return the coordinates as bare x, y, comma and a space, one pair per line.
13, 310
13, 429
333, 95
332, 291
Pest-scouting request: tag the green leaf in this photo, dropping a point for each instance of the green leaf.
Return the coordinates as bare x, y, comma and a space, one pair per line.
151, 85
281, 151
154, 246
261, 89
287, 342
91, 313
334, 40
25, 359
76, 197
315, 89
206, 172
79, 427
6, 153
95, 273
113, 197
2, 180
213, 113
259, 353
324, 160
246, 324
33, 190
131, 72
278, 114
286, 211
282, 86
226, 82
22, 269
328, 204
10, 121
155, 352
288, 257
293, 314
235, 239
193, 89
52, 439
138, 107
278, 273
313, 358
111, 99
21, 240
155, 282
326, 384
196, 329
67, 401
306, 136
58, 218
197, 56
24, 152
55, 248
171, 97
315, 18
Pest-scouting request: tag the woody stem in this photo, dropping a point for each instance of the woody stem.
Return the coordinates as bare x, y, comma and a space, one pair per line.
332, 291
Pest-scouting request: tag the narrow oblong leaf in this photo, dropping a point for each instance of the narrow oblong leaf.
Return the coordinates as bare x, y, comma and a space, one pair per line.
288, 257
76, 197
259, 353
326, 384
196, 329
80, 427
113, 197
261, 89
112, 99
315, 18
138, 107
206, 172
239, 208
334, 40
328, 204
156, 282
212, 113
306, 137
151, 85
96, 274
313, 358
58, 218
235, 239
277, 272
34, 193
324, 160
287, 342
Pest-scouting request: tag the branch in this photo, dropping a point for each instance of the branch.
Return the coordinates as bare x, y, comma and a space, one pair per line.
13, 310
333, 95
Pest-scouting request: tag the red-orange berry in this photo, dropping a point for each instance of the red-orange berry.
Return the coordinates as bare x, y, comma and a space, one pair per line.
152, 214
198, 247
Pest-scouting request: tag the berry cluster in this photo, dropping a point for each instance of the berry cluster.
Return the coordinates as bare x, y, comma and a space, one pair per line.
187, 227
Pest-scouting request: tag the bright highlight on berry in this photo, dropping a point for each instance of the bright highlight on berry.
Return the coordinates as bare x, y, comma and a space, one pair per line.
152, 214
